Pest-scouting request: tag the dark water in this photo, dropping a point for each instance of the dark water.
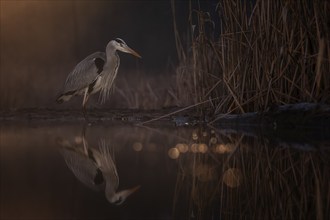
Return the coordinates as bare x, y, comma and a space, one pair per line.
183, 173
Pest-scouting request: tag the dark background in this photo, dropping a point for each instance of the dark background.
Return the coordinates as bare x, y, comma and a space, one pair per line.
41, 42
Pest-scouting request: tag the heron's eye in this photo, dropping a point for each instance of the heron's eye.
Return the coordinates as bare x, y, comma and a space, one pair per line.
119, 41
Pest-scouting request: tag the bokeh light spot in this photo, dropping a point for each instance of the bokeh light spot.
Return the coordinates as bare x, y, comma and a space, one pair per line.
233, 177
137, 146
202, 148
173, 153
183, 148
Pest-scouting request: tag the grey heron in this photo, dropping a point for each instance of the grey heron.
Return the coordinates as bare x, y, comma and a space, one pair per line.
95, 73
96, 169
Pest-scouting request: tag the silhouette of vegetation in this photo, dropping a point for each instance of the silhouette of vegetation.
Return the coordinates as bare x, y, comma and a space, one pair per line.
266, 53
239, 56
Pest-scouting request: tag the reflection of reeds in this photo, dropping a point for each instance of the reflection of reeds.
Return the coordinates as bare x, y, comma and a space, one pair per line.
268, 52
253, 179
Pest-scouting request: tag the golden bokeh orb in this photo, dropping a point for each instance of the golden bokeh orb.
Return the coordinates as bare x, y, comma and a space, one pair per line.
233, 177
137, 146
202, 148
183, 148
173, 153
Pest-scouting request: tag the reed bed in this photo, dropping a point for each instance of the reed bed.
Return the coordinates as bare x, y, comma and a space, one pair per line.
252, 56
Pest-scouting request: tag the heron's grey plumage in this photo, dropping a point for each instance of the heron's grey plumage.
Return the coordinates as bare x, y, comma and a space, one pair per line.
84, 168
111, 65
95, 73
83, 74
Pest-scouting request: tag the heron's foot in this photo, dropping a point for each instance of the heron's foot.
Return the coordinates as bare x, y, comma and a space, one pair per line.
89, 122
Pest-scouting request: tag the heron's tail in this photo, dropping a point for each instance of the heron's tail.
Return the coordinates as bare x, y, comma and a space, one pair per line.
64, 97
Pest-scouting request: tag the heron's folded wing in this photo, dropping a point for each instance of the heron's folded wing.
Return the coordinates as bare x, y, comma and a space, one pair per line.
85, 72
84, 169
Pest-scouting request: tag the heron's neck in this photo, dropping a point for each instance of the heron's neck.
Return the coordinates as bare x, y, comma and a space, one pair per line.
110, 190
112, 59
111, 51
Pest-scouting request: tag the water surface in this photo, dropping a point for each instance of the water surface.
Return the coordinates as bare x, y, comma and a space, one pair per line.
183, 173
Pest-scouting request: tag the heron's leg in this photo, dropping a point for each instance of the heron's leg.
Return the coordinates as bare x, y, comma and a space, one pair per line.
85, 146
86, 96
85, 112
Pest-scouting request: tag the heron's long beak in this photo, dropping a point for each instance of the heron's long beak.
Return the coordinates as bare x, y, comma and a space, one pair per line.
126, 193
131, 51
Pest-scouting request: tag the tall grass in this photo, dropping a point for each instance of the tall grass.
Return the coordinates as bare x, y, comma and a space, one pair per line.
269, 52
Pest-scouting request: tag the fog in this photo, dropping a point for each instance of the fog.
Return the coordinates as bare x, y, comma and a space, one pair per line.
41, 42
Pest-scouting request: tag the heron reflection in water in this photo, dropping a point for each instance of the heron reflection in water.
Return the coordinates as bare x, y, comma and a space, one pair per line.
96, 169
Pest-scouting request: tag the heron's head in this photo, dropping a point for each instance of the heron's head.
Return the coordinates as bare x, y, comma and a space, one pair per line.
120, 45
119, 197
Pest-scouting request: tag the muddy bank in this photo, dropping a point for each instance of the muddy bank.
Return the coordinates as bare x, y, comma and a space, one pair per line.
301, 125
96, 115
302, 115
